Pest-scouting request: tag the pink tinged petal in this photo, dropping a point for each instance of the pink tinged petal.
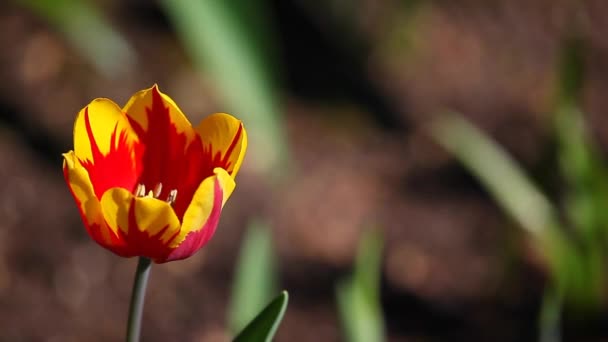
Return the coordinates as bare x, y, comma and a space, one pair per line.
203, 214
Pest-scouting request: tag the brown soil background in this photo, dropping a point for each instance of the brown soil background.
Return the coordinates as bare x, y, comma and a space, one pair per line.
454, 267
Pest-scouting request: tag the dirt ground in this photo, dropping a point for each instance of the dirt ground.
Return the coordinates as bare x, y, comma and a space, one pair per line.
454, 267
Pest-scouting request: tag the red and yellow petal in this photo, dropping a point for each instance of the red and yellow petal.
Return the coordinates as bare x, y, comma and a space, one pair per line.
147, 225
202, 216
81, 189
153, 110
224, 141
106, 146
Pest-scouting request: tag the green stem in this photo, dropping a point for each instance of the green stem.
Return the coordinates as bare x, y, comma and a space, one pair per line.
137, 299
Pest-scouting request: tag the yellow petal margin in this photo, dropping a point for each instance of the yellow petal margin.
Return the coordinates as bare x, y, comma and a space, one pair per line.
227, 136
203, 201
82, 190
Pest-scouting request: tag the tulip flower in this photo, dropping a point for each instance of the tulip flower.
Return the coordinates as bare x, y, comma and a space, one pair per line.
146, 182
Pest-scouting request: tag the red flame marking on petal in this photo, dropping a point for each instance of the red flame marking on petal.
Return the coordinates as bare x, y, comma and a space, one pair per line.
169, 158
141, 243
118, 168
226, 161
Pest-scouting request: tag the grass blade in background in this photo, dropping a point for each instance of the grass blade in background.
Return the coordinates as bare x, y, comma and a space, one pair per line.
550, 317
584, 202
575, 268
223, 41
255, 278
498, 172
580, 161
585, 174
358, 296
266, 323
86, 29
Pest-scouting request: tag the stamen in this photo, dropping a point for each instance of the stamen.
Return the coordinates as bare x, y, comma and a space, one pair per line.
158, 189
172, 196
140, 191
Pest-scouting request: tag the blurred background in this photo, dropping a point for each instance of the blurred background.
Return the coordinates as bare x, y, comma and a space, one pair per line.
418, 170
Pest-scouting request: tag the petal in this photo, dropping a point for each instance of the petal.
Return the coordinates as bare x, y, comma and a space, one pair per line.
78, 181
202, 216
90, 210
107, 146
167, 136
148, 225
224, 140
151, 105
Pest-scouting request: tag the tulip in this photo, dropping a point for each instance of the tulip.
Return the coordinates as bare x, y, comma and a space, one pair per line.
146, 182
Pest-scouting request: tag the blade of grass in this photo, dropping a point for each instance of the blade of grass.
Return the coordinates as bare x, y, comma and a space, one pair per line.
358, 296
85, 28
579, 159
550, 317
586, 176
516, 194
255, 277
498, 172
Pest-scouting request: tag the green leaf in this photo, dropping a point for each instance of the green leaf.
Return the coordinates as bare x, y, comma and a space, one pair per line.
586, 175
550, 316
255, 277
358, 296
580, 161
266, 323
367, 264
584, 172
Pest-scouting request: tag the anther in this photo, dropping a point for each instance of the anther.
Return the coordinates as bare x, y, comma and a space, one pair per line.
172, 196
158, 189
140, 191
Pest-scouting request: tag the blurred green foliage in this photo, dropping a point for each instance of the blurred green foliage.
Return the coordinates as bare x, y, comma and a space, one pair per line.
586, 178
549, 324
358, 296
498, 172
573, 243
255, 277
88, 31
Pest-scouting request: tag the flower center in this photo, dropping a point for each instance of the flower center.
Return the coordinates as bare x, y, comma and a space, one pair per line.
140, 191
